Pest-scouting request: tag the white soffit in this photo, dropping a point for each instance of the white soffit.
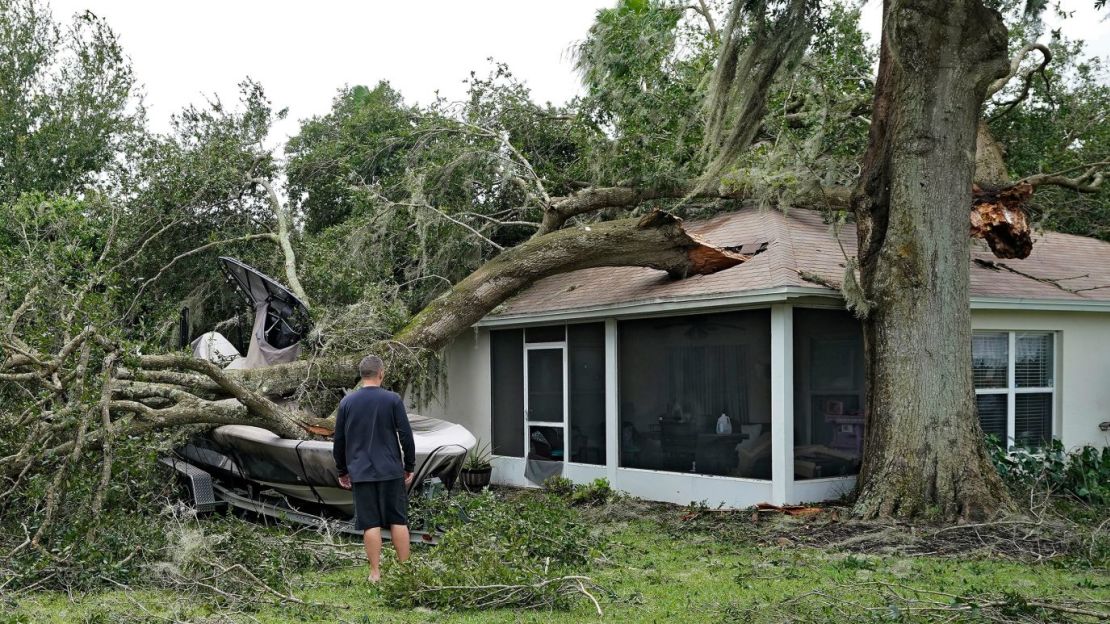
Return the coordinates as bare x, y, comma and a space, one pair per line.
709, 303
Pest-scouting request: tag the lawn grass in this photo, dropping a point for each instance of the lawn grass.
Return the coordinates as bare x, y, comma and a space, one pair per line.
656, 567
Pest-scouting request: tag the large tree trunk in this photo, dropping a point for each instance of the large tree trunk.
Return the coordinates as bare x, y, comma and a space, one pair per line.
924, 454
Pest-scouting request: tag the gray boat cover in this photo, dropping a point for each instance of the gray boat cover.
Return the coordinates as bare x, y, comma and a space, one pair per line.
215, 348
261, 353
305, 469
302, 469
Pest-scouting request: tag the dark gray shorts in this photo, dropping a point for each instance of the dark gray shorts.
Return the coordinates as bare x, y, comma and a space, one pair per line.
380, 504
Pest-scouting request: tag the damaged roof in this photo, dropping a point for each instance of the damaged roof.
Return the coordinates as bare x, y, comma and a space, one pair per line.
798, 249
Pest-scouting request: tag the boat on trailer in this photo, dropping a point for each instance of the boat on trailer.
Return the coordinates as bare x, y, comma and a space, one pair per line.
255, 469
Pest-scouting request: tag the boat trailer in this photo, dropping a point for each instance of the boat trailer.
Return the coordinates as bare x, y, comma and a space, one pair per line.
208, 495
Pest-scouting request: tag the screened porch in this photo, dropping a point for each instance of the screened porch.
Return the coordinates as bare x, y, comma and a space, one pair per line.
737, 407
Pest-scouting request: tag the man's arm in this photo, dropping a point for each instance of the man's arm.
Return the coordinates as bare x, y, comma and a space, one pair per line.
339, 444
404, 435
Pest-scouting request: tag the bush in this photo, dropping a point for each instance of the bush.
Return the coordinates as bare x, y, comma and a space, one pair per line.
596, 492
1083, 473
559, 486
507, 553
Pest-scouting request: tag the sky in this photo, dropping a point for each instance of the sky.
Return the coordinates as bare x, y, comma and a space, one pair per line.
303, 52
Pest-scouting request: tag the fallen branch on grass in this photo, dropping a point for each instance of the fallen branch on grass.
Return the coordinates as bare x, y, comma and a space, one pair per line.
541, 595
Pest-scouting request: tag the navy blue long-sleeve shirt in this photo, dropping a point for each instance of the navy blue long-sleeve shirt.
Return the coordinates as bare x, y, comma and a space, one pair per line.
371, 432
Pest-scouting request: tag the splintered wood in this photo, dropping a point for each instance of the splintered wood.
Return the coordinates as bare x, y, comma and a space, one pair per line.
998, 216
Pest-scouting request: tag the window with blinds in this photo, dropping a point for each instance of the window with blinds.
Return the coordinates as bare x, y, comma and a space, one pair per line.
1015, 385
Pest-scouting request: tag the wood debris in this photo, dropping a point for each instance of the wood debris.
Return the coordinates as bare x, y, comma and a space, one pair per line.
998, 216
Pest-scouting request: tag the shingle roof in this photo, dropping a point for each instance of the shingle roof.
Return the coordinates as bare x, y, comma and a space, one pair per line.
799, 241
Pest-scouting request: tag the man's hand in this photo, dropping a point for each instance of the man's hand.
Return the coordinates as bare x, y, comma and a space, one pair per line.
345, 481
408, 479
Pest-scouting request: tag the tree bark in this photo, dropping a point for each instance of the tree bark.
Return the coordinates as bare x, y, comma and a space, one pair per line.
656, 240
923, 454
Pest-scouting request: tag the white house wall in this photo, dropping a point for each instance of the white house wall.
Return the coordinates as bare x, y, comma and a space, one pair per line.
467, 397
1082, 367
1082, 402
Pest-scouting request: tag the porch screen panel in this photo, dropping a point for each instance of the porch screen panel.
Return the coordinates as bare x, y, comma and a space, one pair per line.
829, 393
545, 333
545, 385
586, 345
507, 376
677, 376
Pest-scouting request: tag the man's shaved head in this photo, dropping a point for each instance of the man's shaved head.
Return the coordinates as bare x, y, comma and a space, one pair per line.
371, 367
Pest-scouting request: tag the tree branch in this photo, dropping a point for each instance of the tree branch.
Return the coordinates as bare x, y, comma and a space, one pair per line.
282, 213
282, 422
1090, 181
1026, 76
656, 240
596, 198
703, 9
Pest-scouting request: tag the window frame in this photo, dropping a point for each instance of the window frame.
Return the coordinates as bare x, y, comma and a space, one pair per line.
1011, 390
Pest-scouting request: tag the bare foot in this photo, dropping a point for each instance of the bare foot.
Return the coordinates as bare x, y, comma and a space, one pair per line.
374, 577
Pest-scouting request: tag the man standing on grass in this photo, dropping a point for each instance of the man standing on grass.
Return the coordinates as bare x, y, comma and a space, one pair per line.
375, 456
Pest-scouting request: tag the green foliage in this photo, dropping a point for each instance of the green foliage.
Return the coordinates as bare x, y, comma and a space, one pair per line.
363, 140
192, 187
559, 486
643, 64
68, 108
82, 552
660, 569
1083, 472
816, 128
415, 198
478, 458
521, 541
596, 492
1060, 127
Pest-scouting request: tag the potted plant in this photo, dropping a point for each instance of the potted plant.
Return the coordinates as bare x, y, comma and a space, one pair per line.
477, 469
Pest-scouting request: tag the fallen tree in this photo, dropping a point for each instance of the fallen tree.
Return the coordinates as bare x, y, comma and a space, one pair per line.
165, 391
913, 266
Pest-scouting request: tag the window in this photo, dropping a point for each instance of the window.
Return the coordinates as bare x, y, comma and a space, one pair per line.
695, 394
549, 392
1015, 381
829, 393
